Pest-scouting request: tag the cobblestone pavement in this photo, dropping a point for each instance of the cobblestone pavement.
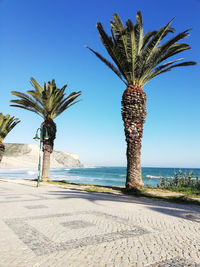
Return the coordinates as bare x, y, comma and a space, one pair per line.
51, 226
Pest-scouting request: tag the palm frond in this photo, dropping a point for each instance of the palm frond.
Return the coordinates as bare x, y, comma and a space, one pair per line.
38, 88
112, 49
186, 63
120, 31
7, 123
132, 46
26, 101
69, 101
147, 37
46, 101
122, 46
108, 63
29, 109
138, 29
157, 72
175, 39
173, 50
148, 51
137, 56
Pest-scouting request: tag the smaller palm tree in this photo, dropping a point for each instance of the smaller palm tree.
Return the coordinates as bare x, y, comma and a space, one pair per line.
48, 102
7, 123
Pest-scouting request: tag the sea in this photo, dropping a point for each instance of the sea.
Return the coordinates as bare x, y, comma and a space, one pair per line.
108, 176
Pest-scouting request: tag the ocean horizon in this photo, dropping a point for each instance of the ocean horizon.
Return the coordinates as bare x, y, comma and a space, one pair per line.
101, 175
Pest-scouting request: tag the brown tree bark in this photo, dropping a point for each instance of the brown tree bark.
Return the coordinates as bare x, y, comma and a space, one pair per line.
2, 150
133, 115
49, 126
47, 150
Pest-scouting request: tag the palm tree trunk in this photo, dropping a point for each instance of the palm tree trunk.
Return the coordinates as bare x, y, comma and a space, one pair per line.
47, 150
49, 127
2, 150
133, 115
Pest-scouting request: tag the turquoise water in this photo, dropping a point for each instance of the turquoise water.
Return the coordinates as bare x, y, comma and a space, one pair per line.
115, 176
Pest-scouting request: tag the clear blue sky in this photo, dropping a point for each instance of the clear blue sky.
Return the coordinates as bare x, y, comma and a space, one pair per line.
46, 38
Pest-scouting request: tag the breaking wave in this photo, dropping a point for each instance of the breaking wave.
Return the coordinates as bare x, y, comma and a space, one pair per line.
153, 176
114, 176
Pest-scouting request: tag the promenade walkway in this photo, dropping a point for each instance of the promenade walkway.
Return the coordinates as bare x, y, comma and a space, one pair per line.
51, 226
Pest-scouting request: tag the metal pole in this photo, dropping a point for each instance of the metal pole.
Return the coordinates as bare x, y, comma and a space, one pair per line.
39, 163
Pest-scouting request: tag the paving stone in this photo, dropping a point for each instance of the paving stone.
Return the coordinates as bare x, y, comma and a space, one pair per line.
36, 207
77, 224
53, 226
40, 244
178, 262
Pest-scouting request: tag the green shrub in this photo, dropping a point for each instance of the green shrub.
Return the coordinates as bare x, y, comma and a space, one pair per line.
180, 180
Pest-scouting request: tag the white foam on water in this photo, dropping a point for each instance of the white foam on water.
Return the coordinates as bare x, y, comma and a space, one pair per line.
14, 170
90, 167
153, 177
64, 177
74, 178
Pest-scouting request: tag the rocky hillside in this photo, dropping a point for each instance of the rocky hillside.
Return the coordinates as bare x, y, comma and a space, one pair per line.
26, 156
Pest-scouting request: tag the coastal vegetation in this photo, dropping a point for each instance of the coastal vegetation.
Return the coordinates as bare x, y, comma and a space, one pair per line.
47, 102
7, 123
181, 182
138, 59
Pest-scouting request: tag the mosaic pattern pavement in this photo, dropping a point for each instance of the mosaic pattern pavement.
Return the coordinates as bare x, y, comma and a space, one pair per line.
77, 224
41, 244
177, 262
52, 226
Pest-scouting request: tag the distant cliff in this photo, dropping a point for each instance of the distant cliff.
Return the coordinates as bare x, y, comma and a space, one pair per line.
26, 156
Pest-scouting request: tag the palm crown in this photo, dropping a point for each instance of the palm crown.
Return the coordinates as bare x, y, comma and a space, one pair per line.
138, 56
48, 102
7, 123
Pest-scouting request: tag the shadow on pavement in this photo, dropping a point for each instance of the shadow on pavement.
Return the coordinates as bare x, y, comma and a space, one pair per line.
189, 212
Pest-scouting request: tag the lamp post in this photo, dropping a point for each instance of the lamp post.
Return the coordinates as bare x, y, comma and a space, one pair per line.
36, 138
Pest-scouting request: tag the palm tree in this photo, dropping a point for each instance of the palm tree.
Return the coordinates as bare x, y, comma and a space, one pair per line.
137, 59
7, 123
48, 102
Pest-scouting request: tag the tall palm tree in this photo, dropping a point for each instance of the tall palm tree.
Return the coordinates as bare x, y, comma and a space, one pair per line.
137, 59
7, 123
48, 102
